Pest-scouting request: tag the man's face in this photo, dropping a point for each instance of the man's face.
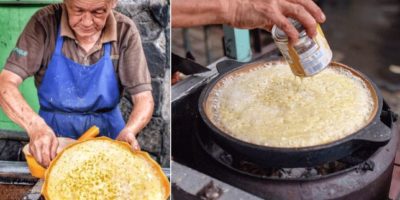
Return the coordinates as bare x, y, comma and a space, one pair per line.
88, 17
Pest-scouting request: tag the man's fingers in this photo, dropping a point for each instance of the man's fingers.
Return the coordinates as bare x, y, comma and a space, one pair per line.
36, 152
312, 8
53, 149
122, 137
46, 146
135, 145
283, 23
130, 138
133, 142
299, 13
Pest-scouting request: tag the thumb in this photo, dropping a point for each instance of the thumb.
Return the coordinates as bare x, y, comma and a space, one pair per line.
135, 144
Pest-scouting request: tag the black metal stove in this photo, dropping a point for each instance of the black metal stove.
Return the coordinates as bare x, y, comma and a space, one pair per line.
365, 174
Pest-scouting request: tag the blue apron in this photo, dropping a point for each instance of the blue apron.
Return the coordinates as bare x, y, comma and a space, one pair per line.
74, 97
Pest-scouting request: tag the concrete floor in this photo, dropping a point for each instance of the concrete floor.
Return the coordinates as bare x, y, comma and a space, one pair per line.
366, 33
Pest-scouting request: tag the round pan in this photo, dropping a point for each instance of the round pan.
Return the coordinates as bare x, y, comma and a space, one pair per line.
375, 133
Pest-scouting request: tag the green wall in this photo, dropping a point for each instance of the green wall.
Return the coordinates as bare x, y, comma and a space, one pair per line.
13, 17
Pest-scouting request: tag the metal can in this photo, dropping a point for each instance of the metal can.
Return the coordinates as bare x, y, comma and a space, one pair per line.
309, 55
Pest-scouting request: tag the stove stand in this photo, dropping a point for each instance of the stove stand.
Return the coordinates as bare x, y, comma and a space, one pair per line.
365, 176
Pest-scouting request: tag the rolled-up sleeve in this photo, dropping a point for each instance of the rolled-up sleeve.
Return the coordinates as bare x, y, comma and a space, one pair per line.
26, 57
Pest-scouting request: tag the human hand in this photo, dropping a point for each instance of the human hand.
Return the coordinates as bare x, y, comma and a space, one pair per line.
128, 136
43, 144
64, 142
266, 13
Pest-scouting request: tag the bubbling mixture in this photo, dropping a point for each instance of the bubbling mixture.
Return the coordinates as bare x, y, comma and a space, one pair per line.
270, 106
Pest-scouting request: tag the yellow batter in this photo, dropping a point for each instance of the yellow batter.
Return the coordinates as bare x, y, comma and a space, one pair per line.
100, 169
270, 106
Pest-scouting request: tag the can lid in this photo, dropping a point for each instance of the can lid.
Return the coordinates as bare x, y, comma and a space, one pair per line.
280, 35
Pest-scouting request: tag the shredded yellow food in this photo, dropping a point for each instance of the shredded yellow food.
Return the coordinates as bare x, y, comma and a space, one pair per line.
270, 106
101, 169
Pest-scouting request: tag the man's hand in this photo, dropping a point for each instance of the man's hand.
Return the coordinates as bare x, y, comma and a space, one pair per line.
142, 111
129, 137
43, 144
265, 13
249, 14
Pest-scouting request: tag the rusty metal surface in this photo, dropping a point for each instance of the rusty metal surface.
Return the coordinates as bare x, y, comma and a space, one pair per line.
35, 192
13, 192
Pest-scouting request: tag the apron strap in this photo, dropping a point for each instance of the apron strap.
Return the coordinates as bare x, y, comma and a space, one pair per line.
59, 42
107, 50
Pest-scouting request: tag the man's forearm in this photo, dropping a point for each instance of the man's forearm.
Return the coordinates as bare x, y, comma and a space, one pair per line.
249, 14
15, 106
187, 13
141, 112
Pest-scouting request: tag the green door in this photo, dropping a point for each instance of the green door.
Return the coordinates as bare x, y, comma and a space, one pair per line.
13, 17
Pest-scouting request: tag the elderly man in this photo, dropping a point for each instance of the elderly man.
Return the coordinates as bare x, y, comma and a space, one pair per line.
82, 55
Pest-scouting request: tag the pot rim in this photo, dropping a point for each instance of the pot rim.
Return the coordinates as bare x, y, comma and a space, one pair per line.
375, 93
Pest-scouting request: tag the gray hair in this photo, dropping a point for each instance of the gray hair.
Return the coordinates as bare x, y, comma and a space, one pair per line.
108, 1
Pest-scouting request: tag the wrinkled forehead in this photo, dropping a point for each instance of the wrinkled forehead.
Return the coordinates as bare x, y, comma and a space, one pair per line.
90, 2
